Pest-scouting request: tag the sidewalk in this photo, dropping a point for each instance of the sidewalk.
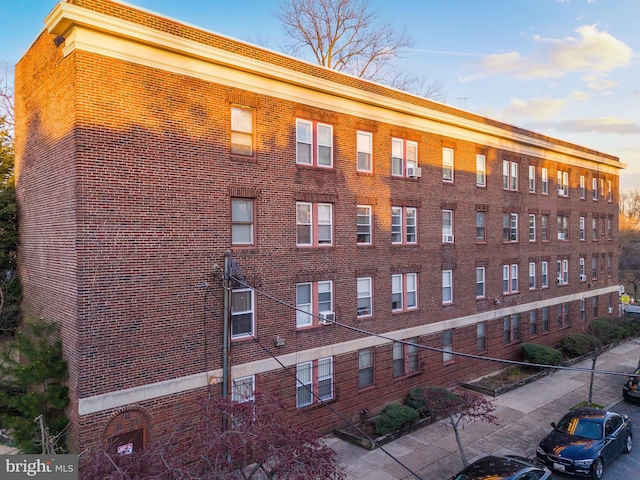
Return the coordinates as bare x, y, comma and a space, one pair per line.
524, 415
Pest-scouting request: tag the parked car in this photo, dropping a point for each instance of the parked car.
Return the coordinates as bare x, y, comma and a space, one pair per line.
631, 389
586, 440
510, 467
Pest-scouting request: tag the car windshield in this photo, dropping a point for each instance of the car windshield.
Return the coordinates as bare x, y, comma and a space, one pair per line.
490, 467
581, 427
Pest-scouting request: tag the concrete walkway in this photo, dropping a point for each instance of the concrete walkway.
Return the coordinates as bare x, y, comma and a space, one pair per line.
524, 415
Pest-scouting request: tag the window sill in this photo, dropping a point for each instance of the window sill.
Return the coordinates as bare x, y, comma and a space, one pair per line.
364, 173
408, 375
313, 247
408, 310
402, 177
243, 159
306, 166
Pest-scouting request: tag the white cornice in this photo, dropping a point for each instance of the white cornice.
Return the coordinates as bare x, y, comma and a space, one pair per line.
91, 31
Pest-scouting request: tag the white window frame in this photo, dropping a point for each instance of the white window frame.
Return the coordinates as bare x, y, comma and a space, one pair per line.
307, 313
448, 342
563, 183
317, 131
308, 378
364, 287
533, 322
243, 389
364, 150
366, 368
582, 270
241, 131
447, 287
482, 228
544, 180
563, 272
532, 227
582, 230
544, 274
563, 227
364, 231
402, 152
319, 216
405, 356
481, 282
510, 227
447, 165
510, 175
408, 226
510, 279
532, 178
447, 225
405, 285
594, 188
481, 170
481, 336
583, 190
239, 222
532, 276
237, 313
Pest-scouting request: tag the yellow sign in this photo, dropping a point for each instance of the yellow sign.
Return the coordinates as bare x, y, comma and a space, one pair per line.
625, 299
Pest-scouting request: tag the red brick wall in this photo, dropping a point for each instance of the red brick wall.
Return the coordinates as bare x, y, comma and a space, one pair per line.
124, 176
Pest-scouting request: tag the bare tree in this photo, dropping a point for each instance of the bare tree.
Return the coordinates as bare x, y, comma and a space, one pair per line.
349, 36
459, 409
629, 239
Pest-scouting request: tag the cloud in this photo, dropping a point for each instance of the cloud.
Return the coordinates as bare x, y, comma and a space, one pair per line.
536, 108
579, 96
592, 51
598, 83
605, 125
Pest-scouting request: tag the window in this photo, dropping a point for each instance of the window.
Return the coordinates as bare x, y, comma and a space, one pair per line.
609, 264
404, 291
511, 328
594, 228
447, 345
563, 183
404, 155
583, 273
609, 192
583, 190
314, 143
609, 229
481, 336
481, 170
447, 165
594, 268
243, 389
583, 312
365, 367
480, 282
532, 227
447, 226
582, 231
563, 315
241, 131
594, 188
544, 228
364, 147
544, 274
602, 188
242, 221
563, 272
447, 286
532, 275
480, 227
405, 357
363, 224
532, 178
545, 319
242, 324
364, 297
563, 227
544, 173
509, 175
510, 227
404, 226
314, 224
594, 306
314, 381
312, 299
533, 322
510, 278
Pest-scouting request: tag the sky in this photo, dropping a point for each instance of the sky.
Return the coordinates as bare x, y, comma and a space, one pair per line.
569, 69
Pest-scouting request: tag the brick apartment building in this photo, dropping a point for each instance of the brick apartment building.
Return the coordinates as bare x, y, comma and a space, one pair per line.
147, 148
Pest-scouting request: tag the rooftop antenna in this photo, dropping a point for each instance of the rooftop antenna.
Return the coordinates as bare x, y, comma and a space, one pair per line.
465, 101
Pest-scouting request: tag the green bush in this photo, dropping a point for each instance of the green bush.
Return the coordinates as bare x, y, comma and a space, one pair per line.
541, 354
577, 344
394, 417
415, 399
607, 330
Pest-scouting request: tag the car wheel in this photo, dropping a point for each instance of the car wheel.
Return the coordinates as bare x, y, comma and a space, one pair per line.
598, 469
628, 445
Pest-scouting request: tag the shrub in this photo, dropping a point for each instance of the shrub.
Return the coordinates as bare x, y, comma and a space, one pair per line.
394, 417
577, 344
607, 330
415, 399
541, 354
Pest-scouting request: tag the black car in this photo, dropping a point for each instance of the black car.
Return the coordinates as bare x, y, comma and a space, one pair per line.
585, 441
503, 468
631, 389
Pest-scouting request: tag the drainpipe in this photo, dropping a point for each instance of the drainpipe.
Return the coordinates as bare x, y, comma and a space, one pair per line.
226, 347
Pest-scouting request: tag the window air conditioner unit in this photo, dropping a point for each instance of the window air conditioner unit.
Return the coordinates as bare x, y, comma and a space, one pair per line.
610, 309
447, 238
583, 278
559, 281
327, 318
414, 172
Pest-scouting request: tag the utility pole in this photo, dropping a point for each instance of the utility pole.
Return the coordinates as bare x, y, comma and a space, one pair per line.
226, 345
